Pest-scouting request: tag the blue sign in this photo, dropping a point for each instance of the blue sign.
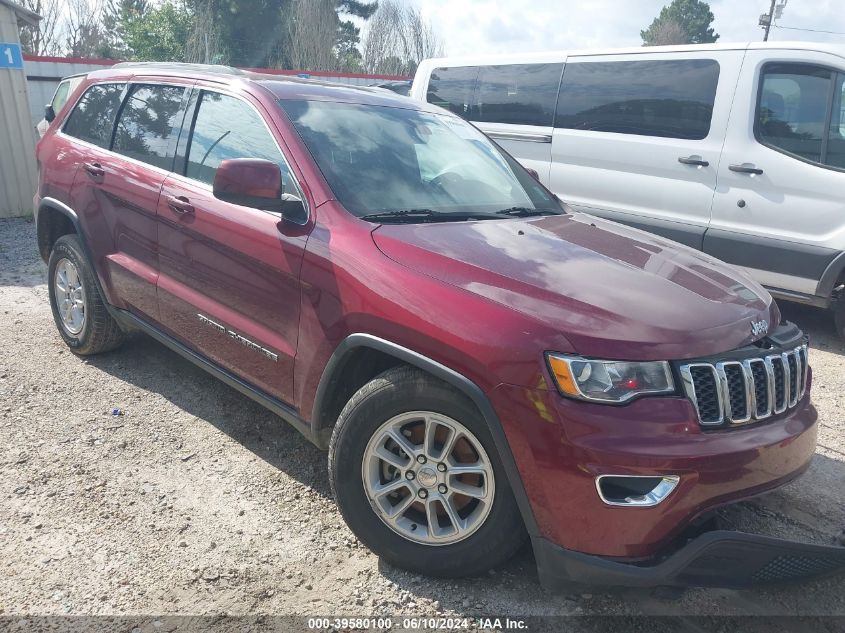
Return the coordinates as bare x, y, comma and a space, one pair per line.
10, 55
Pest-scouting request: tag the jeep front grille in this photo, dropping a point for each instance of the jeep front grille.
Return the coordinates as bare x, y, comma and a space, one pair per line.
740, 391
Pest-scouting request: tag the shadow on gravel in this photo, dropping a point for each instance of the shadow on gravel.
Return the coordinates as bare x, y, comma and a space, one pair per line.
816, 322
145, 363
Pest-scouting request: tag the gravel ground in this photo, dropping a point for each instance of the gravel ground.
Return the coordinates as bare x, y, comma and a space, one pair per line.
198, 501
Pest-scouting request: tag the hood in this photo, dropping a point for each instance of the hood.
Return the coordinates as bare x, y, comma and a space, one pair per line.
614, 292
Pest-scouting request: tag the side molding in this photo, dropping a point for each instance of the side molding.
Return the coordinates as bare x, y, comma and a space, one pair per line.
460, 382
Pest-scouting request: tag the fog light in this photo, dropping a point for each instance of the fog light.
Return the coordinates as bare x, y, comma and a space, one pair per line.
635, 490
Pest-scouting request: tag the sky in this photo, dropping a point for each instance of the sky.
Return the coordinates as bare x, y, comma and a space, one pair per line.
507, 26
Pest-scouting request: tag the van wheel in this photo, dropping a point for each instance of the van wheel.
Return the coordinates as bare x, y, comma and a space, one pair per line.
78, 309
418, 480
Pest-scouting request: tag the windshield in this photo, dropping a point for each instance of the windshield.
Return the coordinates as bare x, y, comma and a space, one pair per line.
382, 159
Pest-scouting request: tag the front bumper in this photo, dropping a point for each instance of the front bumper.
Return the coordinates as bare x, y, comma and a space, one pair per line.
719, 558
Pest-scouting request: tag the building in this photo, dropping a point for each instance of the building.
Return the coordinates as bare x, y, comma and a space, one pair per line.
17, 135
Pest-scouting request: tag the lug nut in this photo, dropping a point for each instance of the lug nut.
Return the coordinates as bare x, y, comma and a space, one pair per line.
441, 467
423, 493
442, 489
410, 475
421, 459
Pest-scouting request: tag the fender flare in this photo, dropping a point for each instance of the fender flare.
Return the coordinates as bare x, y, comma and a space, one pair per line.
447, 375
833, 272
70, 214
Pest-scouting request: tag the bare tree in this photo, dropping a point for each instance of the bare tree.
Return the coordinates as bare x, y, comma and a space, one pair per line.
398, 38
43, 39
312, 29
205, 43
83, 30
668, 32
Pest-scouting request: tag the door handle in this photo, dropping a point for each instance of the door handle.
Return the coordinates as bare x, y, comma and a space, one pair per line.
95, 170
180, 204
746, 168
694, 160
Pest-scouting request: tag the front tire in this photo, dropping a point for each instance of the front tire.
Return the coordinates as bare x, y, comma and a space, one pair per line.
78, 309
839, 315
418, 480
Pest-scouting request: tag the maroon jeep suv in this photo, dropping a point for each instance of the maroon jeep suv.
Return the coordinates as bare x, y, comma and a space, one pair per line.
482, 364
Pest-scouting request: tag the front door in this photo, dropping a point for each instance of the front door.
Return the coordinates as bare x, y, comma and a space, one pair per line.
779, 207
229, 284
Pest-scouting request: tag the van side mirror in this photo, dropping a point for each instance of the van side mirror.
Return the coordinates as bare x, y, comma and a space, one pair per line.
256, 183
49, 113
534, 173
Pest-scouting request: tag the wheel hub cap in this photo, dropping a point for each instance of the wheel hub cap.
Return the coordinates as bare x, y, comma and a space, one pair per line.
70, 296
428, 478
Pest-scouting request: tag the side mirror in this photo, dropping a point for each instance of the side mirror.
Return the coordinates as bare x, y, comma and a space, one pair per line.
256, 183
534, 173
49, 113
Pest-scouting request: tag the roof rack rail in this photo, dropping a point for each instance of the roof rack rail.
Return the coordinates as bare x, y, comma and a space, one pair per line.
206, 68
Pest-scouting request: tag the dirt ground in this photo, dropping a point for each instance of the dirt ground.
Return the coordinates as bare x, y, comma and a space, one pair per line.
197, 501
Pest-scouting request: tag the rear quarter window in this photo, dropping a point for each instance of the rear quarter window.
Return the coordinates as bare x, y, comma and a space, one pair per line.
92, 119
666, 98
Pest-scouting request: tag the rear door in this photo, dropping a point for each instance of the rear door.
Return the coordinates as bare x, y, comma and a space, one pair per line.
117, 186
512, 103
638, 140
229, 285
779, 209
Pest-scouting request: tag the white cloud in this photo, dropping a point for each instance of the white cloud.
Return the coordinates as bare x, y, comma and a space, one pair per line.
505, 26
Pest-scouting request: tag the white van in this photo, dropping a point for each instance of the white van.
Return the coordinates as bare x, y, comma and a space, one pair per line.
735, 149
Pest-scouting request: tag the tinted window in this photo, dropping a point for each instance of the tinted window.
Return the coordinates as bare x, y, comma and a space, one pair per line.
672, 98
226, 127
60, 98
388, 159
793, 110
149, 124
453, 89
93, 117
523, 94
836, 140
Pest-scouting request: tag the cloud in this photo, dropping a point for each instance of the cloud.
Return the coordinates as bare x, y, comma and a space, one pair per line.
507, 26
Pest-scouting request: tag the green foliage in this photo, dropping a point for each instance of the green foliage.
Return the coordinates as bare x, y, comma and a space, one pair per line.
159, 33
694, 17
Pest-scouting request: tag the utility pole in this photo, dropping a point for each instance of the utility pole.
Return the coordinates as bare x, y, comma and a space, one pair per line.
766, 21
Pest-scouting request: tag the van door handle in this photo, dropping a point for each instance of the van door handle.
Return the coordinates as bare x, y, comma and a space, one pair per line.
180, 204
95, 170
694, 160
746, 168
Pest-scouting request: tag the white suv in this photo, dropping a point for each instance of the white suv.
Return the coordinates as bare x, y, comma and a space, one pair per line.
734, 149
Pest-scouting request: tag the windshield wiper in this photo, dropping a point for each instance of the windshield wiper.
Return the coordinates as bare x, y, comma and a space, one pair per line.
524, 212
424, 215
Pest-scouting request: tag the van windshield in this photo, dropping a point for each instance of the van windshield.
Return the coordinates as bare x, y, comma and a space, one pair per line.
379, 160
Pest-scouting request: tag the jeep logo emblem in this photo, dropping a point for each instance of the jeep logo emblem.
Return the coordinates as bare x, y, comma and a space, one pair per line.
759, 328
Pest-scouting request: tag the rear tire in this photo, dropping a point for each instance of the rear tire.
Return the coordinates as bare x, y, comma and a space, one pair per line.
78, 309
444, 522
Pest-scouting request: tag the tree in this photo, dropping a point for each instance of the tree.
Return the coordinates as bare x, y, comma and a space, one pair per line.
160, 33
319, 38
692, 18
44, 38
398, 39
116, 14
84, 35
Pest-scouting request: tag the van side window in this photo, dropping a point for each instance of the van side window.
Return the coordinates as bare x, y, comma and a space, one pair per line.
149, 124
226, 127
836, 138
522, 94
670, 98
92, 119
453, 88
800, 112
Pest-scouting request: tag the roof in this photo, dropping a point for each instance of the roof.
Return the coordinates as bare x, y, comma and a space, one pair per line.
281, 86
23, 14
557, 56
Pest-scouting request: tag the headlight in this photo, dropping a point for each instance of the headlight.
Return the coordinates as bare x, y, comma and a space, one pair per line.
609, 380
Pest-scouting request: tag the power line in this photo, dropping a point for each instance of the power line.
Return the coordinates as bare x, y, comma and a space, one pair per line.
795, 28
